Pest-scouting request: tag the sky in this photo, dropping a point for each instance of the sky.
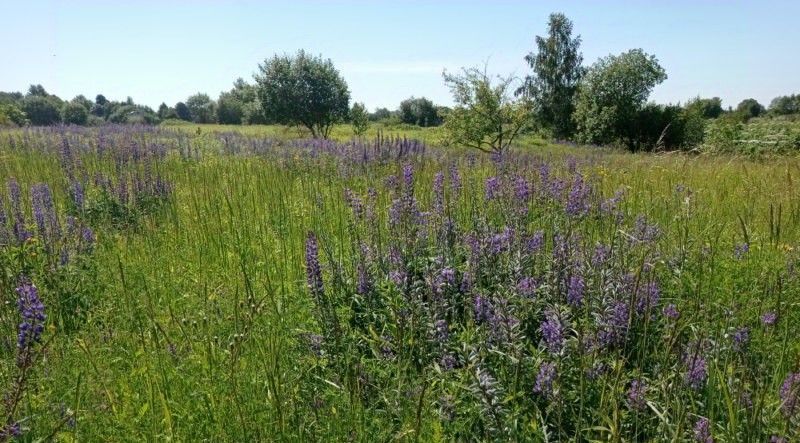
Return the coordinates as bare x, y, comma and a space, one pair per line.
165, 51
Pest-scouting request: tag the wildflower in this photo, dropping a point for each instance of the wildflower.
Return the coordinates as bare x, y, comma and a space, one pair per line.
552, 332
741, 338
741, 250
636, 394
544, 379
522, 189
769, 318
702, 431
535, 242
492, 187
601, 255
696, 370
650, 298
20, 232
575, 290
482, 309
644, 232
10, 431
438, 193
441, 331
577, 202
455, 180
671, 311
408, 178
790, 395
614, 326
31, 310
313, 270
527, 286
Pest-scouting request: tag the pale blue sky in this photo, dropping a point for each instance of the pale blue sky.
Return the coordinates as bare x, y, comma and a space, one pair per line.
165, 50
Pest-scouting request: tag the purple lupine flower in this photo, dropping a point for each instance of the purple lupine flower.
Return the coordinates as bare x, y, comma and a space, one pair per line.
482, 309
702, 431
87, 239
790, 395
611, 205
600, 255
455, 180
741, 338
31, 310
355, 203
577, 201
769, 318
535, 242
552, 332
20, 232
501, 242
408, 178
440, 331
741, 250
696, 369
644, 232
9, 431
614, 326
447, 276
649, 298
313, 269
575, 290
671, 311
636, 395
364, 283
4, 235
544, 379
778, 439
448, 362
527, 286
77, 194
492, 188
391, 182
522, 189
438, 193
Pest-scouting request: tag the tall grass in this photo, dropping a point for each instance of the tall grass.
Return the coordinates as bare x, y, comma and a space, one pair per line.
199, 324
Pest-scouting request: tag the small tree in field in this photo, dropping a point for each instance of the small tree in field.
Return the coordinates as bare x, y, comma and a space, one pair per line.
303, 90
359, 118
486, 116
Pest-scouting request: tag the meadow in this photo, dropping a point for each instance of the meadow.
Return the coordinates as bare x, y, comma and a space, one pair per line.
205, 283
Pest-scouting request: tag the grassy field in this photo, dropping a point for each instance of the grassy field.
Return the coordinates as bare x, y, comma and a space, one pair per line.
240, 284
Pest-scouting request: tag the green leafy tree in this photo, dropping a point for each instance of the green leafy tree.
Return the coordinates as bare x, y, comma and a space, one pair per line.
707, 107
182, 111
100, 108
749, 108
12, 115
785, 105
612, 93
230, 109
74, 113
37, 91
41, 110
486, 116
303, 90
420, 112
380, 114
557, 71
201, 108
359, 119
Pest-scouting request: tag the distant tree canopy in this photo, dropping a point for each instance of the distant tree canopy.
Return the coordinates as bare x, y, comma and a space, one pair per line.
707, 107
486, 116
750, 108
380, 114
612, 93
201, 108
785, 105
74, 113
557, 70
420, 112
41, 110
182, 111
303, 90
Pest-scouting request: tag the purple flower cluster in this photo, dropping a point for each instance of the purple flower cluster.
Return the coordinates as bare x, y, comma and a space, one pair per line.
31, 311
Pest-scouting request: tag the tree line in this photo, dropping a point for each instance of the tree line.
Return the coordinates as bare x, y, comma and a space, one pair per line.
604, 103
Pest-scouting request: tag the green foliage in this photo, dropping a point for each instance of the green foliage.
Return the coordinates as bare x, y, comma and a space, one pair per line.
74, 113
133, 114
359, 118
486, 117
420, 112
557, 71
750, 108
785, 105
182, 111
706, 107
303, 90
41, 110
201, 108
230, 109
756, 137
612, 93
380, 114
12, 115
